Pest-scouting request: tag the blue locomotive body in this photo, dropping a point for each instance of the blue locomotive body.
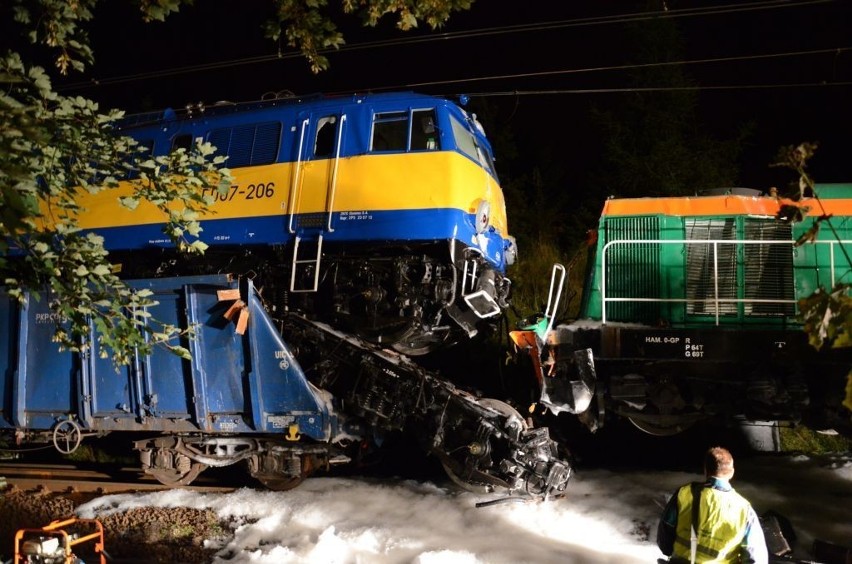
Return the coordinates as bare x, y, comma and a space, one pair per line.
391, 196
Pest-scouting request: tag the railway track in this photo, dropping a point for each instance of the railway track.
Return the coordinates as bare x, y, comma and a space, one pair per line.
66, 478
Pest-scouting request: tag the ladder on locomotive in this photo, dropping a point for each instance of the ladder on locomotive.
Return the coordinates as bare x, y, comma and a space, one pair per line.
309, 227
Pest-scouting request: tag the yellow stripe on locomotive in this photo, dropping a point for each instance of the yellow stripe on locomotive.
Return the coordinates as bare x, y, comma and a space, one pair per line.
370, 182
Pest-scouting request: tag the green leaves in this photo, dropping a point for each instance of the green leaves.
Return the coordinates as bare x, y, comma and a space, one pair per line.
795, 157
307, 28
58, 24
828, 321
55, 149
827, 316
158, 10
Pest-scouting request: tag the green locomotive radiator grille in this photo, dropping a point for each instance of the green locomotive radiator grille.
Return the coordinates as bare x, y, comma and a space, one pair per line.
768, 269
702, 275
633, 270
742, 272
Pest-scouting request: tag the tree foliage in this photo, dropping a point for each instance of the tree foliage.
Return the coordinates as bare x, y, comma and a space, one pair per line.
827, 313
53, 149
306, 25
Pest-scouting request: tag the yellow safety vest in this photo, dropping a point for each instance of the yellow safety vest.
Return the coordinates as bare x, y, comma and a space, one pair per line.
722, 518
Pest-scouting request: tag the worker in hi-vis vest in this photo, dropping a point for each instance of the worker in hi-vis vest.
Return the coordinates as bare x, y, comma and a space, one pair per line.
710, 522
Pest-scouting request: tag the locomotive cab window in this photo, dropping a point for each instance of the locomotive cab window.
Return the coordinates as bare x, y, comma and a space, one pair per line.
424, 131
405, 131
390, 132
467, 144
465, 141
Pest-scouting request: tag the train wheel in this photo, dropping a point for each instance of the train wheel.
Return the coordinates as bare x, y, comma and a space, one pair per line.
468, 483
174, 478
278, 482
474, 481
505, 409
660, 428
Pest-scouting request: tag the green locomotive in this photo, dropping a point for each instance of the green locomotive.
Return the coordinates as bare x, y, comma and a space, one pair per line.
689, 313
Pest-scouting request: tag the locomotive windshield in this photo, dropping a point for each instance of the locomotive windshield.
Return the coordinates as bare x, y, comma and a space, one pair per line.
413, 130
467, 144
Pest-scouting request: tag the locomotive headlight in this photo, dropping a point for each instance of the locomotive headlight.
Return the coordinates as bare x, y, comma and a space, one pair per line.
511, 251
483, 216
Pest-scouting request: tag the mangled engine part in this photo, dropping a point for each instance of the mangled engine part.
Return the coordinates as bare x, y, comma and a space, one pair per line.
484, 444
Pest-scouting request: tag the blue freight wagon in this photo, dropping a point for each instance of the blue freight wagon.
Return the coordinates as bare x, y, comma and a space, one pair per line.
244, 396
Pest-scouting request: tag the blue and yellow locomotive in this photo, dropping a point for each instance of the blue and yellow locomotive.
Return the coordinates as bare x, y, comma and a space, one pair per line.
382, 212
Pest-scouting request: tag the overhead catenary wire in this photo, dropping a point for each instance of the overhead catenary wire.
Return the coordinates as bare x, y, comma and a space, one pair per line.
557, 91
432, 37
835, 50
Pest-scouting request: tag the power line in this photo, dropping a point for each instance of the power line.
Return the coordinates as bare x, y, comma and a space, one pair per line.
836, 50
597, 20
582, 22
484, 32
654, 89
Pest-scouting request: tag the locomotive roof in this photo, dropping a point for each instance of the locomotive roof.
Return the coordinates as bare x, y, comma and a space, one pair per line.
221, 108
834, 199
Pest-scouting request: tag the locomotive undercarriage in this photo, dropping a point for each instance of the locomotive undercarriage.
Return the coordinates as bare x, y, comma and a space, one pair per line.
415, 299
666, 398
412, 300
664, 381
484, 444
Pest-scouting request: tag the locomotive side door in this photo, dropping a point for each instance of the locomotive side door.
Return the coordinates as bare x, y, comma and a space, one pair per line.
318, 143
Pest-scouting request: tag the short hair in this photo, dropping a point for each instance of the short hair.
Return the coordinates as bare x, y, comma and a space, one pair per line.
719, 462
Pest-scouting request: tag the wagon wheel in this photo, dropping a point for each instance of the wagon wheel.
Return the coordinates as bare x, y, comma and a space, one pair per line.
660, 428
473, 483
279, 483
67, 436
175, 477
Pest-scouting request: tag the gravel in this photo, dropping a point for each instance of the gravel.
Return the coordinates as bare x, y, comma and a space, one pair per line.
142, 535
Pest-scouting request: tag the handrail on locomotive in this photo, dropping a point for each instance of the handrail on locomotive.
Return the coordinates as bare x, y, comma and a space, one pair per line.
716, 299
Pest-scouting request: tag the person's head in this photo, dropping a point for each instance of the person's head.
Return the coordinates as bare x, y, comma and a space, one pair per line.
719, 463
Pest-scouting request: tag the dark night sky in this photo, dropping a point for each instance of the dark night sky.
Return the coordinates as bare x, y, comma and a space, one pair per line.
592, 35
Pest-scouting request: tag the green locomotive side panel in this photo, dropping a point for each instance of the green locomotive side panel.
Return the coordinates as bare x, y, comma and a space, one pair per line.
734, 265
823, 264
